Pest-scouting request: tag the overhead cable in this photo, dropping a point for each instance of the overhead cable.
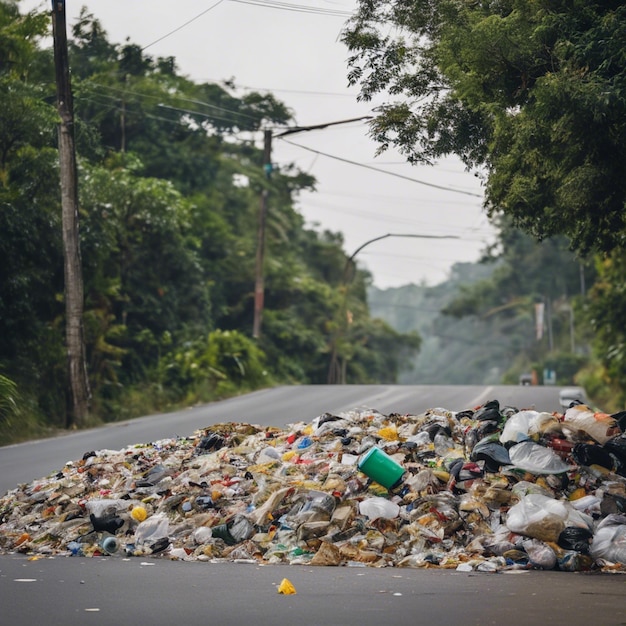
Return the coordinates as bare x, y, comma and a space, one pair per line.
376, 169
270, 4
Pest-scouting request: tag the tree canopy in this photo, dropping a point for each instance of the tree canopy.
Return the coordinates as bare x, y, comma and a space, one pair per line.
532, 92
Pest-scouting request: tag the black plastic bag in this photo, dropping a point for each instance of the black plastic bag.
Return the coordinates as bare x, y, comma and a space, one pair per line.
575, 538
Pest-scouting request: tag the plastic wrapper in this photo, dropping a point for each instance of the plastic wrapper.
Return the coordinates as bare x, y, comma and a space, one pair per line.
375, 508
599, 426
537, 459
538, 517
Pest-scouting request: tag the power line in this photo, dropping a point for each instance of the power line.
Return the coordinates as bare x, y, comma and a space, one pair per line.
297, 91
193, 19
395, 219
324, 125
301, 8
269, 4
376, 169
177, 97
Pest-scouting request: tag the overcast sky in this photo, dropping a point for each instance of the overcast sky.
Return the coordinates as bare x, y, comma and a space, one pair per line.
292, 50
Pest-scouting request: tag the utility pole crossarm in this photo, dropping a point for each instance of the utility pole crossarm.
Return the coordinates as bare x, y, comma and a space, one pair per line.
301, 129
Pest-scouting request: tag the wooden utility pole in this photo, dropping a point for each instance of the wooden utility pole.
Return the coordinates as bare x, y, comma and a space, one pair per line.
74, 305
259, 287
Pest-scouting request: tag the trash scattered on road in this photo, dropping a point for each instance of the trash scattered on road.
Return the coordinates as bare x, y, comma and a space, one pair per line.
486, 489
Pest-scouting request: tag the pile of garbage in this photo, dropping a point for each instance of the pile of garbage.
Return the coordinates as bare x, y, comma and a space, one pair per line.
489, 489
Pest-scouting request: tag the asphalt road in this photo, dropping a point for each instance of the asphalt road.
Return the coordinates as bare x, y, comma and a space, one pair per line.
67, 591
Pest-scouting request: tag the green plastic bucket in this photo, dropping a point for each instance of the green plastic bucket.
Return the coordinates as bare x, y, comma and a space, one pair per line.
379, 466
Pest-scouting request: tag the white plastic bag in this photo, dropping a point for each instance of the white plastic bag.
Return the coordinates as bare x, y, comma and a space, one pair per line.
541, 555
379, 507
517, 426
609, 541
154, 528
537, 459
537, 516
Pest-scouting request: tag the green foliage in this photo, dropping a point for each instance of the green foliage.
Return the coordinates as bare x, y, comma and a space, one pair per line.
168, 199
226, 361
533, 91
19, 35
605, 313
9, 400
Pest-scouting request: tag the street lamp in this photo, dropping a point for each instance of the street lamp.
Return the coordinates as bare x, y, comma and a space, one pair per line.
337, 369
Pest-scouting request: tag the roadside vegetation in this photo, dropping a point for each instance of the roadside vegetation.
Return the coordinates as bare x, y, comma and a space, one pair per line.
170, 176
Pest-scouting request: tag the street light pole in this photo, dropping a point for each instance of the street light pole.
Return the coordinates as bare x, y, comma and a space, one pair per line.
367, 243
337, 369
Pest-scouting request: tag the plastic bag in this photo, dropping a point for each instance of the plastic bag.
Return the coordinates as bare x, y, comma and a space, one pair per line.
537, 516
517, 426
598, 426
268, 455
589, 504
589, 454
540, 555
154, 528
379, 507
537, 459
575, 538
609, 541
494, 454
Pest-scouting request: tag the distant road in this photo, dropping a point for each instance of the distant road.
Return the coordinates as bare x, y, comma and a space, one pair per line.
271, 407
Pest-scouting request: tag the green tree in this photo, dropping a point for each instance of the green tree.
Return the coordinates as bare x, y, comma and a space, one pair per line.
31, 272
144, 274
605, 308
528, 273
533, 92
